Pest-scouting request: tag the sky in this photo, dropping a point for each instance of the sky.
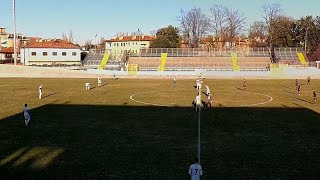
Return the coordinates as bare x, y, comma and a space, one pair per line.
105, 18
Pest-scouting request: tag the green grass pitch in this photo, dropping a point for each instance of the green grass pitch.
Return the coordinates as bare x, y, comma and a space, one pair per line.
268, 133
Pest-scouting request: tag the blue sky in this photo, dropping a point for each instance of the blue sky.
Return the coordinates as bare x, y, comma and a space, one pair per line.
86, 18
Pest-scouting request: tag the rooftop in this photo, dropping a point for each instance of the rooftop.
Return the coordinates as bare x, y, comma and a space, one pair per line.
131, 38
6, 50
51, 43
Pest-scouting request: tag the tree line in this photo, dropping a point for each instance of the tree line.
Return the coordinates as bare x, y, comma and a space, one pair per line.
226, 24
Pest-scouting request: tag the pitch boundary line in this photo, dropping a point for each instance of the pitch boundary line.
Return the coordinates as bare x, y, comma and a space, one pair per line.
163, 105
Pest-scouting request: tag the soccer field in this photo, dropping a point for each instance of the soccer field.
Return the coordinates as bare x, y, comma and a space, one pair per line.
144, 129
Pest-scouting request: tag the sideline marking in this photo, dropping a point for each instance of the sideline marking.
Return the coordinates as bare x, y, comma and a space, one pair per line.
162, 105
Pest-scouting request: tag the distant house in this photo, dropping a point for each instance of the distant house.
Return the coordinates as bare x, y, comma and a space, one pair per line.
127, 44
50, 52
6, 55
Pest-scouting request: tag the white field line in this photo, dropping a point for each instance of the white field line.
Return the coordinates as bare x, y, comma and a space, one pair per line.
163, 105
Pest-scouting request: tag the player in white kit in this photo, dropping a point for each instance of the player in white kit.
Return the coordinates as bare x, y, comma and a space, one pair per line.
87, 85
26, 115
198, 83
198, 102
99, 81
195, 170
40, 91
174, 82
208, 90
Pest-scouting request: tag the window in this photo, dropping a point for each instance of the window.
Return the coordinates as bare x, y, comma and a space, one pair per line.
8, 55
64, 53
74, 53
54, 53
33, 53
44, 53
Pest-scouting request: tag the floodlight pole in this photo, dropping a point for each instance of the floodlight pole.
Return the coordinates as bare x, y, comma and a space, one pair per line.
305, 41
14, 33
199, 118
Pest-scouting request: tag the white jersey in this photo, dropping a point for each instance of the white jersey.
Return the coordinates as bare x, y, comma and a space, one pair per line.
198, 100
40, 89
99, 80
208, 89
195, 171
198, 82
26, 110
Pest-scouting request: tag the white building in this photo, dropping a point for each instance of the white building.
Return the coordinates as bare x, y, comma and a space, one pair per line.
127, 44
6, 55
50, 52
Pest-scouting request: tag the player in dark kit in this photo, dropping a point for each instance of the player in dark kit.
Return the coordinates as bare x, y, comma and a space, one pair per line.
308, 81
297, 83
244, 85
299, 89
314, 96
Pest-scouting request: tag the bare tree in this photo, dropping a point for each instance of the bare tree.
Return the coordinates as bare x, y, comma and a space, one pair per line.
71, 37
219, 19
258, 34
153, 32
88, 44
258, 29
64, 37
194, 25
235, 24
269, 13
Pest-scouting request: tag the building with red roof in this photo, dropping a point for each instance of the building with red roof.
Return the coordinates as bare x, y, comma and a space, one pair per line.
50, 52
127, 44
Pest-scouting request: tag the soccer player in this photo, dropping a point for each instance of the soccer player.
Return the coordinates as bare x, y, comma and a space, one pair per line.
198, 102
26, 115
297, 83
314, 96
308, 81
87, 85
195, 170
174, 82
244, 85
208, 90
40, 91
209, 100
198, 83
99, 81
114, 76
299, 89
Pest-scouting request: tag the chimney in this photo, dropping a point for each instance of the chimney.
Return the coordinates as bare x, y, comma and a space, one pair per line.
134, 37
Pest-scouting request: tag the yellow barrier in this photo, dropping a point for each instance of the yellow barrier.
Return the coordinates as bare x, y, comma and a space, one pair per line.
133, 69
163, 61
302, 59
234, 58
104, 61
278, 69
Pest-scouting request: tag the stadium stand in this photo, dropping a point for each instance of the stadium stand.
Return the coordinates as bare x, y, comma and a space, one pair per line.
93, 61
208, 59
288, 56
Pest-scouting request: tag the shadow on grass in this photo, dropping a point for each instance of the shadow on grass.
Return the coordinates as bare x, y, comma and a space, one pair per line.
143, 142
302, 100
241, 89
52, 94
